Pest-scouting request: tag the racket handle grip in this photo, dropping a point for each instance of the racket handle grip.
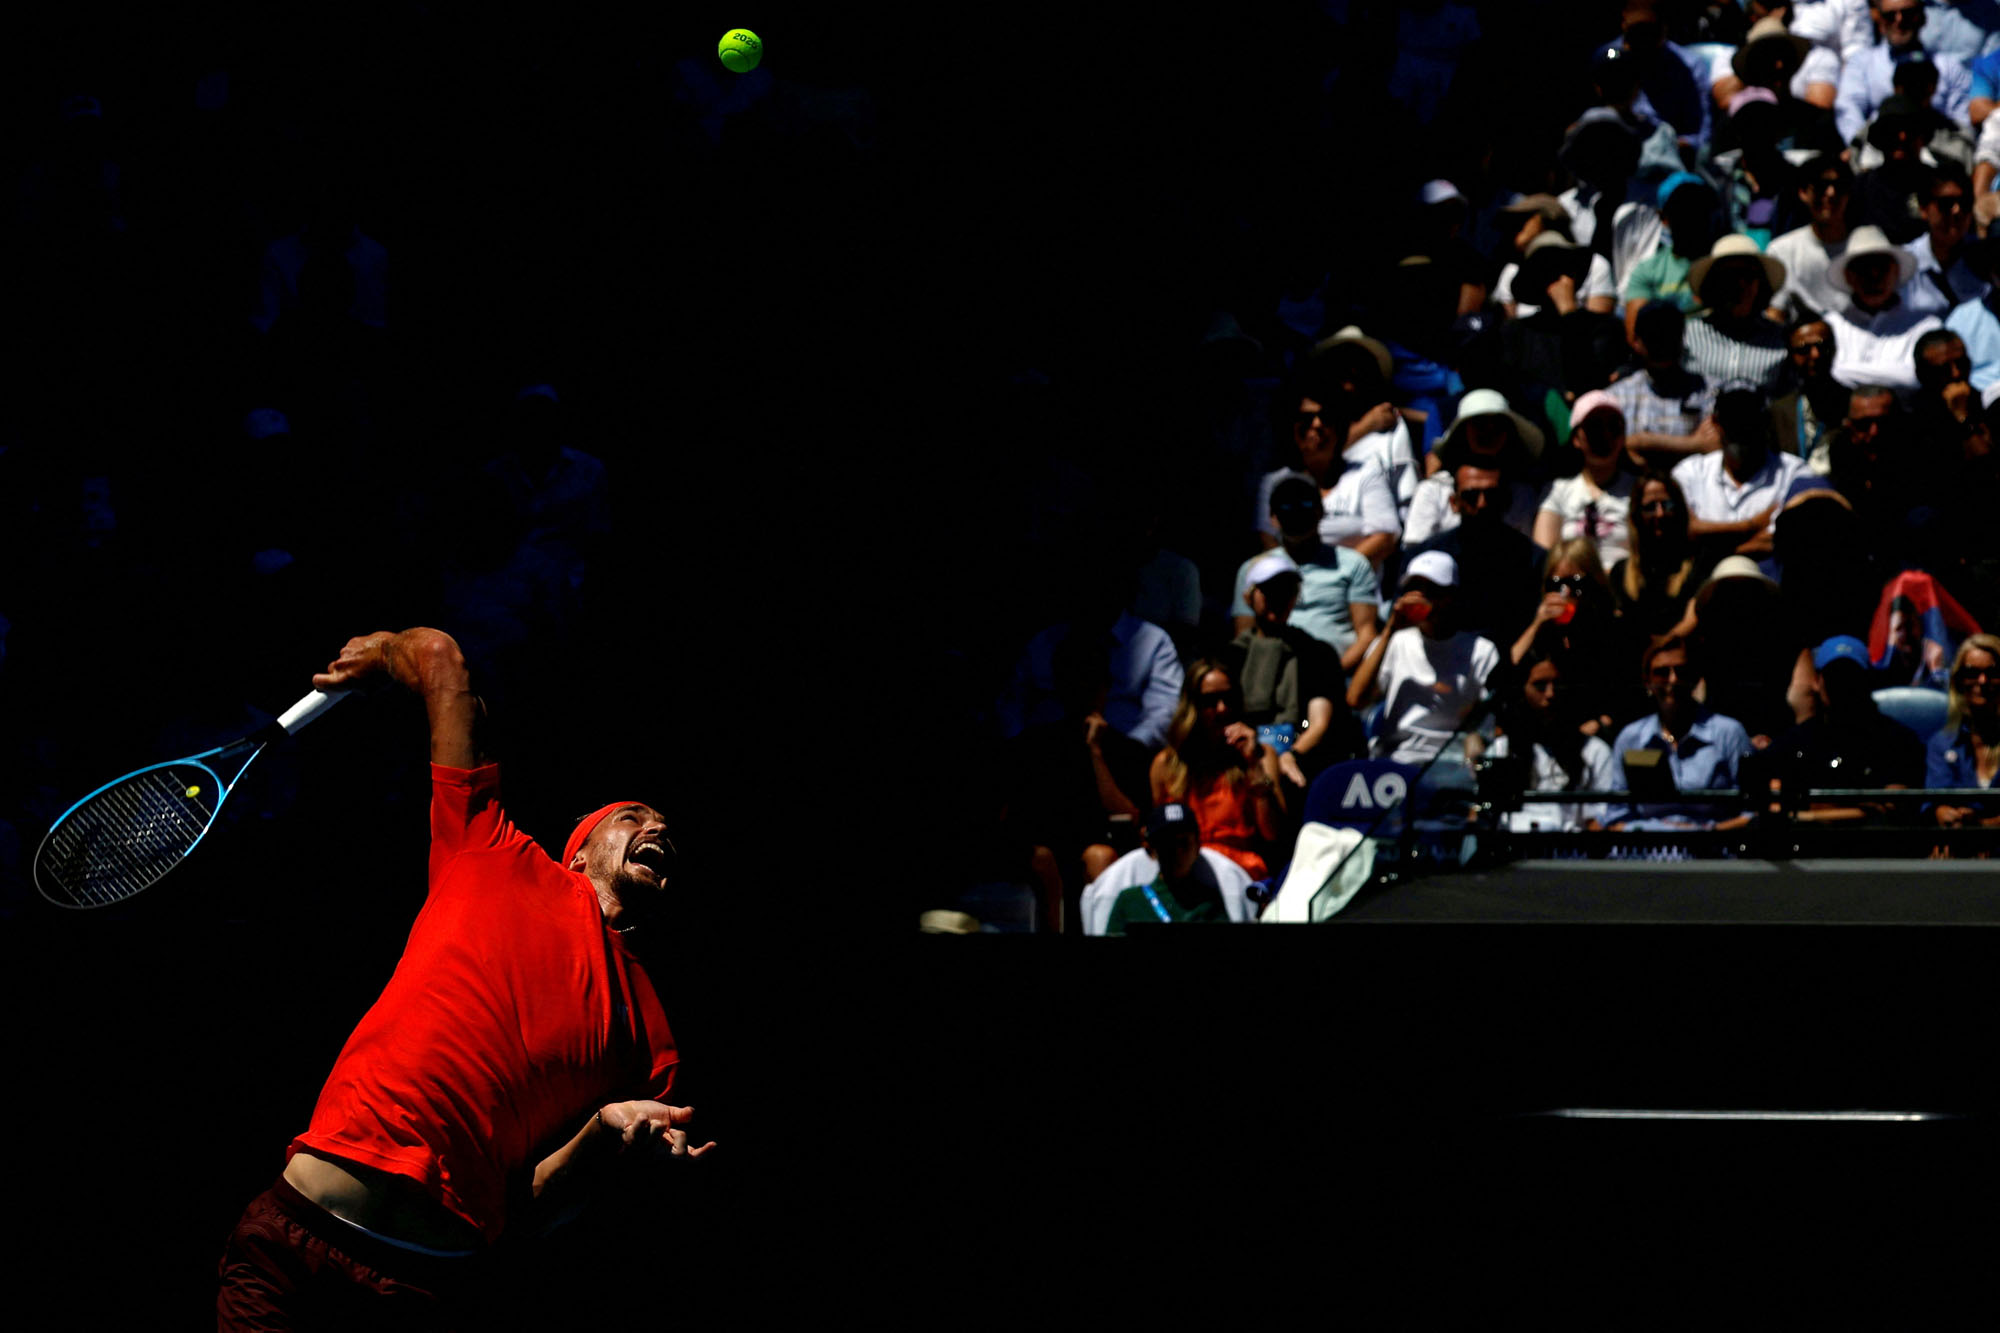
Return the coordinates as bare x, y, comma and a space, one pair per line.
308, 708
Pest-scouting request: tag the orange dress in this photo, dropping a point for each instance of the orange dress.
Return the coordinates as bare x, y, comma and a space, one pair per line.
1228, 820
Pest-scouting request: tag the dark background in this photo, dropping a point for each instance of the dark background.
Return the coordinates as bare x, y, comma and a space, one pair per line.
794, 359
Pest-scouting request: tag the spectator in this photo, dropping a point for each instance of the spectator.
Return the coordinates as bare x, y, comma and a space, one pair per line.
1867, 79
1187, 885
1883, 468
1804, 419
1213, 763
1876, 333
1737, 339
1944, 399
1733, 494
1359, 507
1699, 748
1603, 150
1672, 82
1913, 660
1690, 220
1666, 406
1359, 368
1563, 349
1596, 502
1289, 682
1338, 593
1499, 567
1538, 723
1653, 586
1492, 435
1578, 619
1846, 742
1074, 786
1945, 276
1826, 188
1146, 672
1891, 175
1759, 184
1535, 215
1429, 674
1802, 78
1975, 320
1966, 753
1756, 671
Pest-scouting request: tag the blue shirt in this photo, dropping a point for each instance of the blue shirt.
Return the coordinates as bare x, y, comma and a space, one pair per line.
1706, 758
1330, 579
1675, 90
1146, 679
1950, 761
1868, 79
1976, 325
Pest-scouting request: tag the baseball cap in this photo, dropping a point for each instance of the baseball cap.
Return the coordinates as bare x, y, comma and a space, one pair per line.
1441, 191
1595, 401
1171, 817
1435, 566
1839, 646
1269, 567
1672, 183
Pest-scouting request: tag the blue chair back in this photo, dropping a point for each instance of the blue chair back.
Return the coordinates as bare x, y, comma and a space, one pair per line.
1919, 709
1355, 793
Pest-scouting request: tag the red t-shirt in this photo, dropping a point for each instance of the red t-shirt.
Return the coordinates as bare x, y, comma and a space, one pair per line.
514, 1013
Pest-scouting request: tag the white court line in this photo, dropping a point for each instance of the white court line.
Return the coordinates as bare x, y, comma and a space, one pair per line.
1619, 1113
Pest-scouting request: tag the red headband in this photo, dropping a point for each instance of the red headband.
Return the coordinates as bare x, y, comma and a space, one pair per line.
586, 824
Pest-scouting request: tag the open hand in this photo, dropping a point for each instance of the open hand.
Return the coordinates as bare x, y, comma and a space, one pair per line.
654, 1125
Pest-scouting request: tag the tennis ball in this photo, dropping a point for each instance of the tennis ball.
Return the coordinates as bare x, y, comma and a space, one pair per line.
194, 791
740, 50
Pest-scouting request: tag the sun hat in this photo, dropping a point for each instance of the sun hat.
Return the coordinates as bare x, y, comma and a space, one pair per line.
1871, 240
1490, 403
1734, 567
1353, 334
1771, 29
1435, 566
948, 923
1547, 205
1550, 255
1734, 247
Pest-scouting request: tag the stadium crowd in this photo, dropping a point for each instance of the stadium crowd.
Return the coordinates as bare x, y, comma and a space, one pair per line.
1669, 432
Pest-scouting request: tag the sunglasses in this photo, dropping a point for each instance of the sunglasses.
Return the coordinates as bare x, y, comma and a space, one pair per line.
1477, 495
1208, 699
1659, 507
1295, 507
1950, 203
1813, 345
1668, 672
1981, 674
1914, 14
1573, 582
1828, 187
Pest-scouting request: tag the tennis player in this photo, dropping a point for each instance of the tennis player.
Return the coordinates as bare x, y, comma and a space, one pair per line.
518, 1050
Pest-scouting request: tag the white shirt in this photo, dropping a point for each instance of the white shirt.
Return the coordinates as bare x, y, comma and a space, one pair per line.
1394, 454
1137, 868
1431, 511
1879, 348
1807, 262
1714, 496
1567, 499
1821, 65
1600, 773
1359, 503
1428, 686
1597, 282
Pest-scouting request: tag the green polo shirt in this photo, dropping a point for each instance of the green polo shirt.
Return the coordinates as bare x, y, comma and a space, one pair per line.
1662, 275
1133, 905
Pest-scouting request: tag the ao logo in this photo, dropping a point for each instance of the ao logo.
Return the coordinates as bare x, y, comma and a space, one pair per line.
1389, 789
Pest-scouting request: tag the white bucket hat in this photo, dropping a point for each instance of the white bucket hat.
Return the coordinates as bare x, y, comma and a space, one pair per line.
1872, 240
1492, 403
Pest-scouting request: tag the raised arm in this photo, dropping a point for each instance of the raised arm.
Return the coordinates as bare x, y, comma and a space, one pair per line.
426, 662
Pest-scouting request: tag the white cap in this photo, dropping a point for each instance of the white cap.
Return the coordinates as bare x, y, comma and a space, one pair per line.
1436, 566
1439, 191
1268, 567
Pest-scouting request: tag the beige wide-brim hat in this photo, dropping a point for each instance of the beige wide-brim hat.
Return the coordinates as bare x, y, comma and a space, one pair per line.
1491, 403
1767, 30
1550, 256
1733, 567
948, 923
1735, 246
1871, 240
1352, 334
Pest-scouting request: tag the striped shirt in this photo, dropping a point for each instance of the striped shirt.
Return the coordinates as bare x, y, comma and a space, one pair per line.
1650, 412
1753, 350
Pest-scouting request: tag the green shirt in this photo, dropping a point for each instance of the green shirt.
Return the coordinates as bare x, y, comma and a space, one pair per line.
1133, 905
1663, 276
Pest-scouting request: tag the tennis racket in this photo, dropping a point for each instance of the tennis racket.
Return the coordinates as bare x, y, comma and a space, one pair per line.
124, 837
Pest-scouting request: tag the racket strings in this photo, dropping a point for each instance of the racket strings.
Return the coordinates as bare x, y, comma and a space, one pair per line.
128, 836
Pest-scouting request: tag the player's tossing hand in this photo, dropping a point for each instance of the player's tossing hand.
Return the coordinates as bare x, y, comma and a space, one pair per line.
651, 1125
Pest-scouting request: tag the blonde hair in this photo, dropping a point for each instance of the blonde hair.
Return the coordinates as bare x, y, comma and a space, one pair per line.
1985, 643
1581, 552
1186, 740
